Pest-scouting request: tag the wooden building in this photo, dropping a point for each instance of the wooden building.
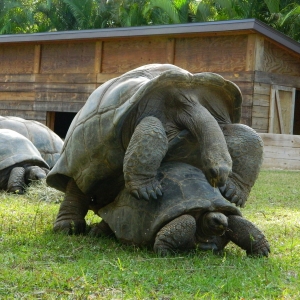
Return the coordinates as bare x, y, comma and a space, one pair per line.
48, 76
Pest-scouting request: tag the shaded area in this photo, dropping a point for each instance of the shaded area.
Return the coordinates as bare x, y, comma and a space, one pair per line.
62, 123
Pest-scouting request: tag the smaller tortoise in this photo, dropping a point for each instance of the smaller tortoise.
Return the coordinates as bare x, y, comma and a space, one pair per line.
190, 214
48, 143
20, 162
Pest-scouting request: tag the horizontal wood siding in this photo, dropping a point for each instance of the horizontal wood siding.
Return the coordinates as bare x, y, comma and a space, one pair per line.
26, 114
31, 96
261, 107
278, 79
281, 151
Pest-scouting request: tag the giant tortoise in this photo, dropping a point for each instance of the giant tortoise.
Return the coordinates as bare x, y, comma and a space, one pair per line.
190, 214
45, 140
20, 162
130, 124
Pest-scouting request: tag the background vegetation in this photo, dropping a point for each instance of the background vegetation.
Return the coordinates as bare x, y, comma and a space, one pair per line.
38, 264
28, 16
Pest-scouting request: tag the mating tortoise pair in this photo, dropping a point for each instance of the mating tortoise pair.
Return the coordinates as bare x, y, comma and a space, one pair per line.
154, 114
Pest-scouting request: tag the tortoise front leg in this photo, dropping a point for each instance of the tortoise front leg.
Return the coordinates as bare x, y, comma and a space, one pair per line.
16, 181
34, 173
179, 234
72, 211
247, 236
147, 147
101, 229
214, 158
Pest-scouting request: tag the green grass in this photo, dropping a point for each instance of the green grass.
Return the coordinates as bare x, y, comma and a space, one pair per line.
38, 264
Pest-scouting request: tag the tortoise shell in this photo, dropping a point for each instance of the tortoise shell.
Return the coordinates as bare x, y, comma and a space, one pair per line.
48, 143
17, 149
186, 191
93, 148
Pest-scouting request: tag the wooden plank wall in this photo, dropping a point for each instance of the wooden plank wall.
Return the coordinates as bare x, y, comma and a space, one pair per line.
38, 78
277, 67
281, 151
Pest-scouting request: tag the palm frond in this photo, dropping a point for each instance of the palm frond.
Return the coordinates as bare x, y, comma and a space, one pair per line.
168, 7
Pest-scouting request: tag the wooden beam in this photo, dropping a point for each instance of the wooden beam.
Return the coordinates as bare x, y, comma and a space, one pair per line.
293, 111
255, 53
272, 110
98, 57
278, 104
37, 59
50, 119
170, 51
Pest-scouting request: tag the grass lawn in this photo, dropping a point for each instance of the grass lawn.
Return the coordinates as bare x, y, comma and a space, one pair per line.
38, 264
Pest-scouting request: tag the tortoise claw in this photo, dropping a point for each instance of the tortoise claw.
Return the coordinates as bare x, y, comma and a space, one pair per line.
153, 195
135, 194
240, 203
235, 199
151, 189
159, 191
145, 195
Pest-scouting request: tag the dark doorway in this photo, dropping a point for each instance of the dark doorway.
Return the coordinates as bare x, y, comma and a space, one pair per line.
62, 123
296, 129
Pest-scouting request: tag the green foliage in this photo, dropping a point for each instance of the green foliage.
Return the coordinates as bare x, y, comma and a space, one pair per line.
38, 264
26, 16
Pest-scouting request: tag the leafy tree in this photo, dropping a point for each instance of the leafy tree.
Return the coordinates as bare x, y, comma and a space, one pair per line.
16, 17
25, 16
282, 15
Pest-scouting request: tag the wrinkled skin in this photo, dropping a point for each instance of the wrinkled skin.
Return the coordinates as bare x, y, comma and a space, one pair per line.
15, 179
246, 150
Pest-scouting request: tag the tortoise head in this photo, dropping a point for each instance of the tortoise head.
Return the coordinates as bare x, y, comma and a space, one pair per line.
214, 224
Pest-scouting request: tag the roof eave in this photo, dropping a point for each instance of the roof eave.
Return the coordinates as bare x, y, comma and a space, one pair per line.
157, 30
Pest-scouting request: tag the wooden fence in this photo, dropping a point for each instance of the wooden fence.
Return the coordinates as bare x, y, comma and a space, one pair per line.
281, 151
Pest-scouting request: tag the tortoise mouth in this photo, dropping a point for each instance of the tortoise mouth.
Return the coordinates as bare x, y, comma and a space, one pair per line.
217, 177
214, 224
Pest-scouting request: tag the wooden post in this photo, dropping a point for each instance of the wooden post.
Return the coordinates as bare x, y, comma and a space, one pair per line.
291, 131
271, 111
279, 111
50, 119
98, 57
37, 59
255, 53
171, 51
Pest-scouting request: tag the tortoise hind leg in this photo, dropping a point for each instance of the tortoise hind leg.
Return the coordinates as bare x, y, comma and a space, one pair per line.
179, 234
147, 147
247, 236
72, 211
